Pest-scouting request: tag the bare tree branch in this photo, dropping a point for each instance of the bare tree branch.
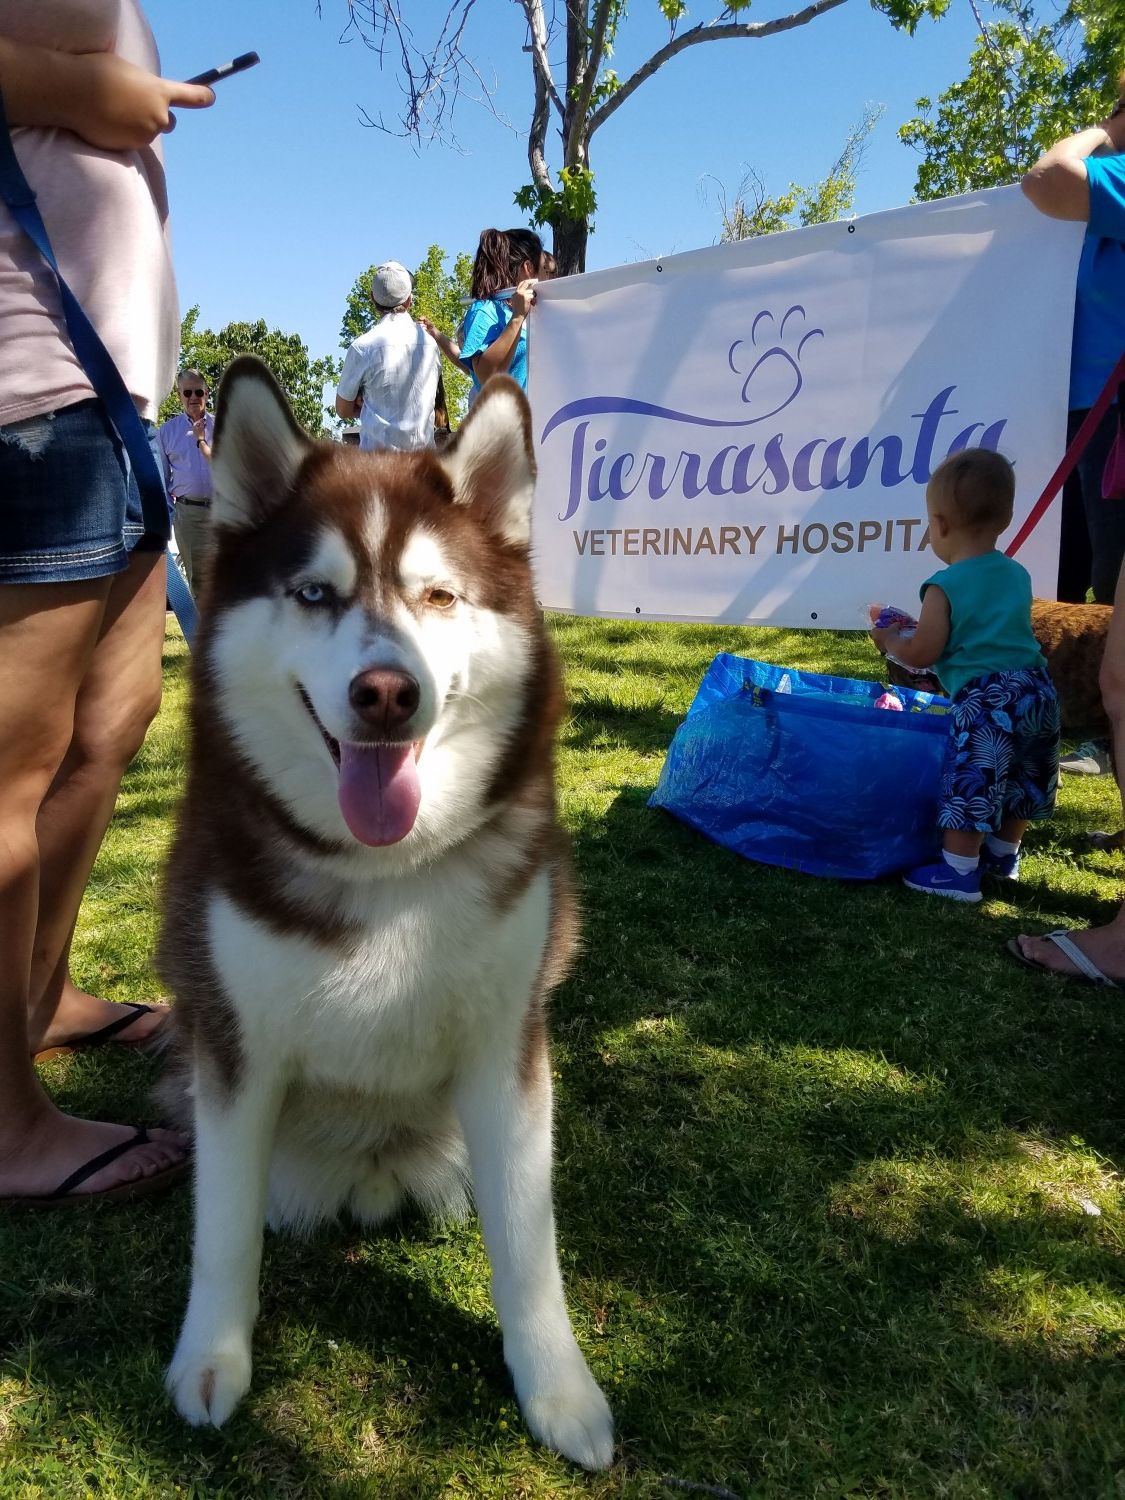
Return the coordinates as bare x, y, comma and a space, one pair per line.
537, 135
710, 31
430, 79
577, 55
537, 29
1003, 78
577, 135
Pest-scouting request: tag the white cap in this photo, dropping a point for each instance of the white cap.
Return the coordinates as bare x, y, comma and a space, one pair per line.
391, 285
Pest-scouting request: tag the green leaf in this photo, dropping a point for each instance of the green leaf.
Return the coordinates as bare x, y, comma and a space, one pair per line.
1032, 79
575, 198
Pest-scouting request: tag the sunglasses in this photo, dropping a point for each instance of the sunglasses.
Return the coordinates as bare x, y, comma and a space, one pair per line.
184, 391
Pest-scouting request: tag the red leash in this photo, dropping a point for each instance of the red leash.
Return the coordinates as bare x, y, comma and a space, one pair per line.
1070, 458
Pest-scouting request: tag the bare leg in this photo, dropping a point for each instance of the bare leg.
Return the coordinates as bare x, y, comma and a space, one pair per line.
48, 635
962, 841
1112, 682
507, 1127
1105, 945
117, 700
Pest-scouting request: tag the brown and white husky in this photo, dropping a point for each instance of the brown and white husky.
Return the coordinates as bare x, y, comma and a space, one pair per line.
369, 897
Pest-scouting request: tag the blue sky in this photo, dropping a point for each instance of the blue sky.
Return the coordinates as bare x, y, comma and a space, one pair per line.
281, 196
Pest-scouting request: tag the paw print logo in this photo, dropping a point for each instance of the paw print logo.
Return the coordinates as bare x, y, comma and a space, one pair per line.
773, 353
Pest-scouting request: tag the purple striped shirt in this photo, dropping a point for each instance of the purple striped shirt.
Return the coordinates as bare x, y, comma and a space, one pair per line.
186, 471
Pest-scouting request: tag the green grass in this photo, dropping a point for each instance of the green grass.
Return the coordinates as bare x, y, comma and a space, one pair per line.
825, 1162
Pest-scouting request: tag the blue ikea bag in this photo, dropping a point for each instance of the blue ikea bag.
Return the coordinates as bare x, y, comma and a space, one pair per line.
799, 769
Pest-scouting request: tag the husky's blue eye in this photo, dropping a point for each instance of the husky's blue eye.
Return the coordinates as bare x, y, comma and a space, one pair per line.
313, 593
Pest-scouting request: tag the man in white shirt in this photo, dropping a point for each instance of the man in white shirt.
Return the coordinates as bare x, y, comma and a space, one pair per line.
391, 372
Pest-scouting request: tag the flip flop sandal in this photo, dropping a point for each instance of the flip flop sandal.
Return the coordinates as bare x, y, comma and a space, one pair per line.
1087, 969
64, 1195
107, 1033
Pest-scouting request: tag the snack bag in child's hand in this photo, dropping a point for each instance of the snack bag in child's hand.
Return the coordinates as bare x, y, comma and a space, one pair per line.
883, 615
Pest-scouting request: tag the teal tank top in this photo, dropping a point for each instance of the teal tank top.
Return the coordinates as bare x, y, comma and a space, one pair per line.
990, 619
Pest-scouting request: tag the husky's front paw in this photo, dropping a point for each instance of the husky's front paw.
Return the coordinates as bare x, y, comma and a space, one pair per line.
573, 1419
206, 1383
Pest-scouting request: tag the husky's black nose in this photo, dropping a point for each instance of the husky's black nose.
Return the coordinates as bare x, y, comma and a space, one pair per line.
383, 698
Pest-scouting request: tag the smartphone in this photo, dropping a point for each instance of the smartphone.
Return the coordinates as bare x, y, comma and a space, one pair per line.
237, 65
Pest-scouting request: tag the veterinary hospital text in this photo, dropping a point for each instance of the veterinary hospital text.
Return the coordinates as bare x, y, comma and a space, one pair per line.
894, 534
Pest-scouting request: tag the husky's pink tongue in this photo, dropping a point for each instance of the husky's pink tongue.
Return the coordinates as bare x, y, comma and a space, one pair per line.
379, 791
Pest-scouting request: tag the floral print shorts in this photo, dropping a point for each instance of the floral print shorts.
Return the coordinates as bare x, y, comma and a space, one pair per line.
1003, 755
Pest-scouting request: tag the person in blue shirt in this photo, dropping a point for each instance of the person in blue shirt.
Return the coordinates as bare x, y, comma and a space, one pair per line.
491, 317
1082, 177
494, 333
1002, 762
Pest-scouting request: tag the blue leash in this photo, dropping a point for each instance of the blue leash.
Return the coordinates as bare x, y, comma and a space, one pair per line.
183, 605
103, 374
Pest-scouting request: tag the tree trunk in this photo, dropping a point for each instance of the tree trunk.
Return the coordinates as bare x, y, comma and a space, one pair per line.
570, 246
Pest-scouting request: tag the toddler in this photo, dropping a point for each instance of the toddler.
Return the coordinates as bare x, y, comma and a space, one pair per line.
1001, 766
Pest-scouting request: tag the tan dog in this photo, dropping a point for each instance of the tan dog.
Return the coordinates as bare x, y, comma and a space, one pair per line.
1072, 637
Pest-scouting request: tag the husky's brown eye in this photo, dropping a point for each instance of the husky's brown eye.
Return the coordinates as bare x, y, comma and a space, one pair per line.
441, 598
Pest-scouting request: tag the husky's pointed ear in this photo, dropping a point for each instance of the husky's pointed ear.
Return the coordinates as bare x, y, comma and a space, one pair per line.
258, 444
491, 464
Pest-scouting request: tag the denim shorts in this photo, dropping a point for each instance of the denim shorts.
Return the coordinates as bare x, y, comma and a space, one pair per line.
69, 505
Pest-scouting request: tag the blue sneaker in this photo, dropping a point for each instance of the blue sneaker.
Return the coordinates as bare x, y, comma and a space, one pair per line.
1006, 866
943, 880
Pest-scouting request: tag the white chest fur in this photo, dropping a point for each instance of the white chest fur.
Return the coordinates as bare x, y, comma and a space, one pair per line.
435, 973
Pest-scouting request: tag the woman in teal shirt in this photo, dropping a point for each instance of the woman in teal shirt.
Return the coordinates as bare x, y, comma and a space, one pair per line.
494, 333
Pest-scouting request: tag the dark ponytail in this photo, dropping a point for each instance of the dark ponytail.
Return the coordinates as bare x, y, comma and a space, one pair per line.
490, 267
500, 255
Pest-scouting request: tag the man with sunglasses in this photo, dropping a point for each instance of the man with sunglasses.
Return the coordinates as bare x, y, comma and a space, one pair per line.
185, 441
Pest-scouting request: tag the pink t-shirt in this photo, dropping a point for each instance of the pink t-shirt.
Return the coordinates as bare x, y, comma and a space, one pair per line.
106, 213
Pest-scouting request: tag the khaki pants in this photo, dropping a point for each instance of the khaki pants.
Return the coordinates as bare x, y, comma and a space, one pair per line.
191, 523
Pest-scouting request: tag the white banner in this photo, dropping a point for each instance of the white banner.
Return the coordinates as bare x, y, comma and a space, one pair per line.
744, 433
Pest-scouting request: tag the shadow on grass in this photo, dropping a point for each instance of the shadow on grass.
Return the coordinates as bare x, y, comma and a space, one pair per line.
819, 1197
1032, 895
734, 1252
341, 1347
596, 722
755, 953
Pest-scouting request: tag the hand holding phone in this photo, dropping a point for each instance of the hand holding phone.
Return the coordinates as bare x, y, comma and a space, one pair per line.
226, 70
